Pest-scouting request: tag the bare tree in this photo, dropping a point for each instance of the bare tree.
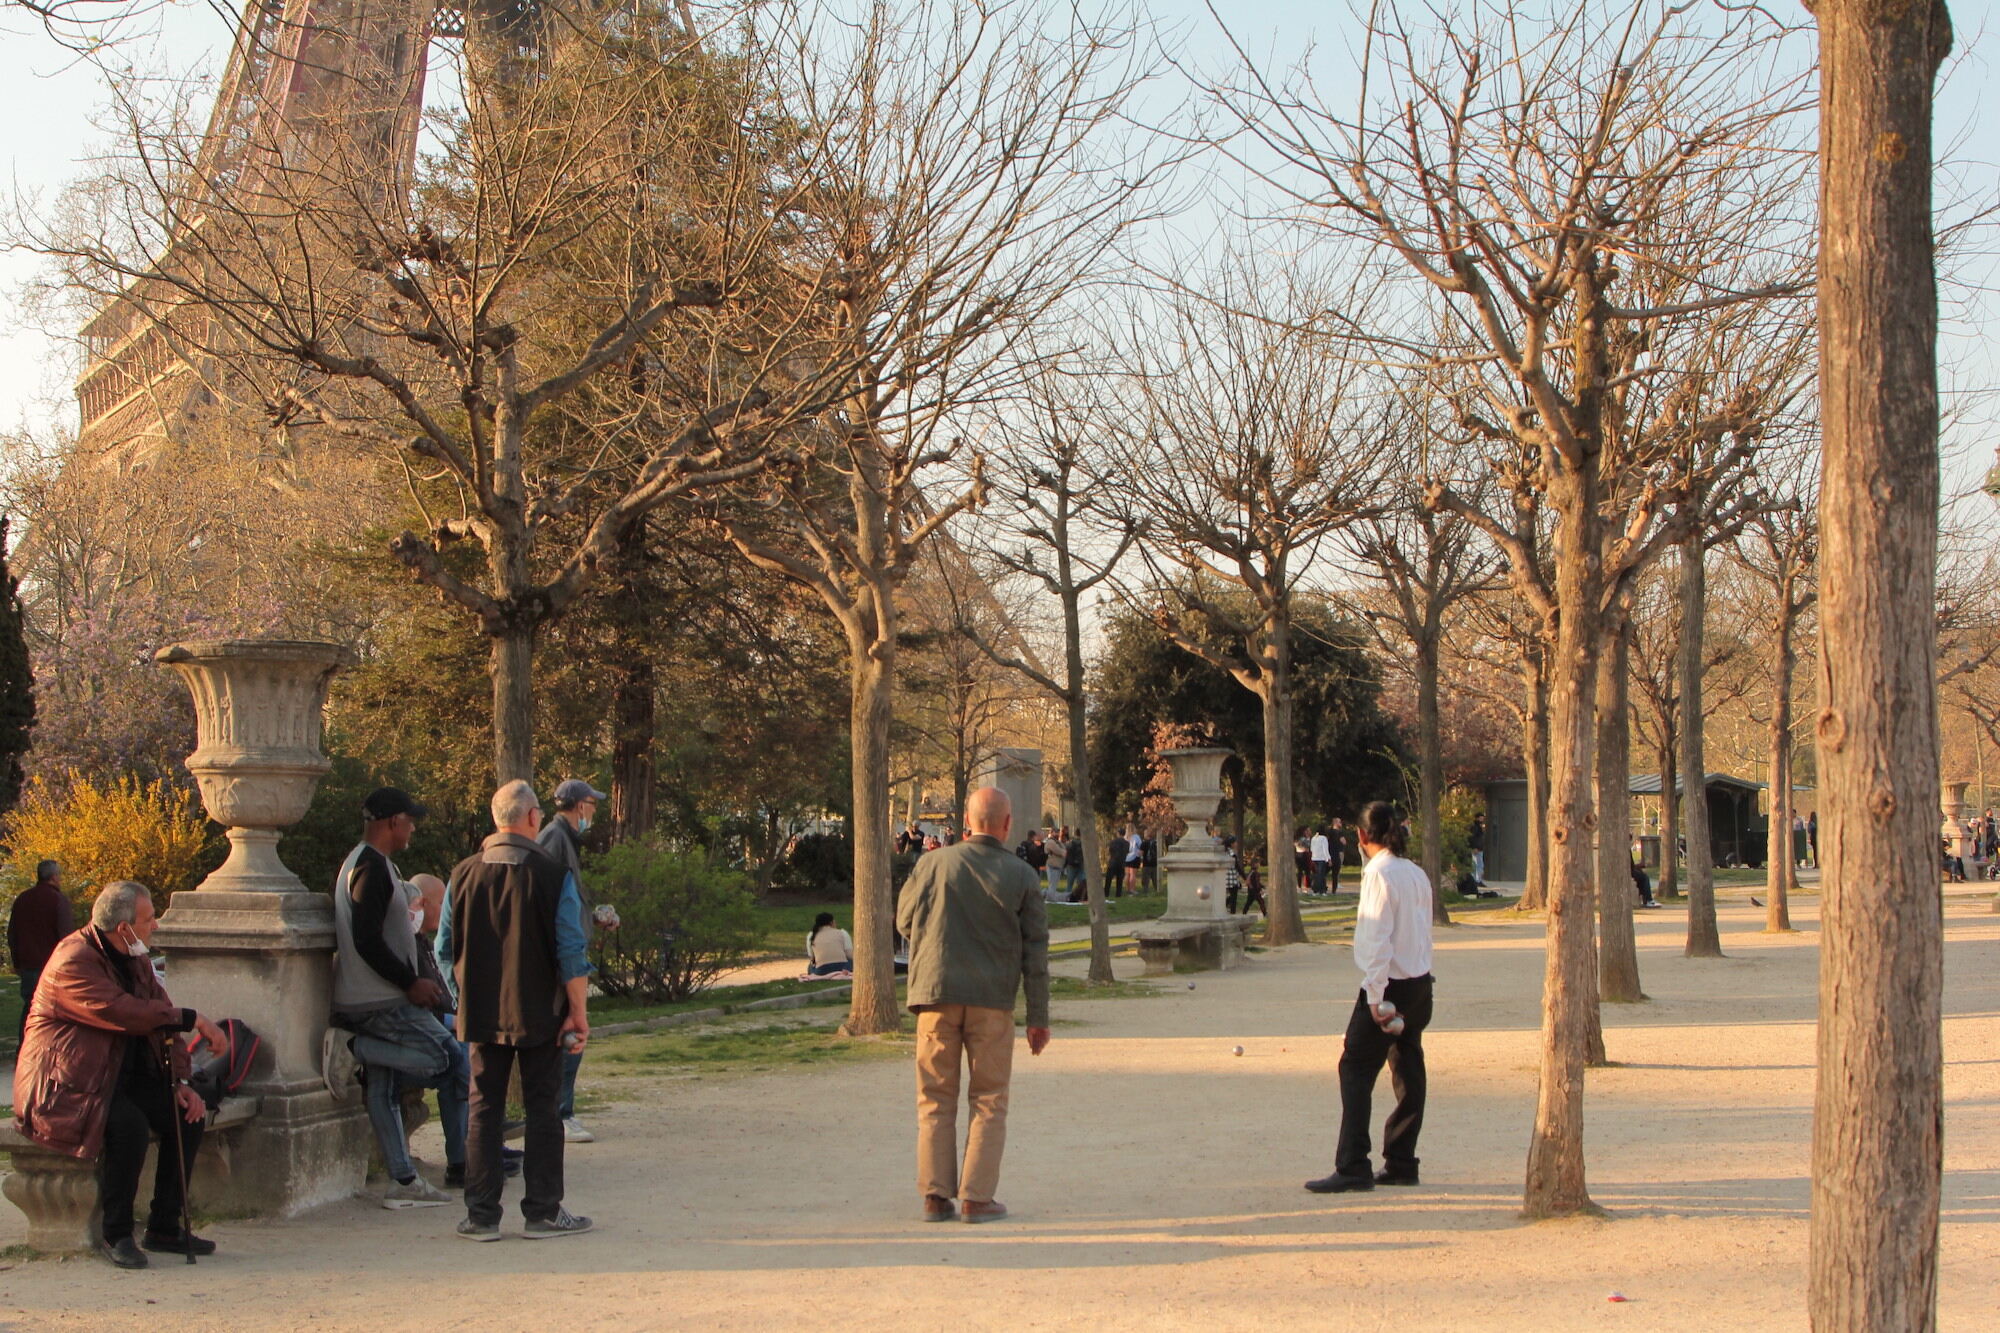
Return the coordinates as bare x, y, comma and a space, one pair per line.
1781, 550
1052, 521
1250, 446
1523, 172
1427, 562
970, 186
1878, 1108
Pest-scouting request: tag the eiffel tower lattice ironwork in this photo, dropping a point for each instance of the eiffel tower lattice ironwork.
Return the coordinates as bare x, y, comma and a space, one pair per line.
298, 70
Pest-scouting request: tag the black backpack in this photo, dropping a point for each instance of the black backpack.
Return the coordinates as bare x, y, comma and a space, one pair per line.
218, 1076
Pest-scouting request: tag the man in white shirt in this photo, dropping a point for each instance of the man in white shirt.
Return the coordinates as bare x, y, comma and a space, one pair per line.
1392, 947
1322, 860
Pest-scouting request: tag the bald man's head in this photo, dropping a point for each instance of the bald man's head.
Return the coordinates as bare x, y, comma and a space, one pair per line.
989, 811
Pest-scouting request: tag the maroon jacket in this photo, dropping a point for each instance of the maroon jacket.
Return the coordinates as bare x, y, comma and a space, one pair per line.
41, 917
91, 1001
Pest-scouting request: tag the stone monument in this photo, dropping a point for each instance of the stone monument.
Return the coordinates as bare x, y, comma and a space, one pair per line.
1017, 772
1197, 930
252, 942
1957, 833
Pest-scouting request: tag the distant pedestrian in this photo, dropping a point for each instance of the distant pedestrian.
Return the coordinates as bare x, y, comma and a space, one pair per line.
1135, 856
1336, 848
1114, 867
1149, 863
829, 949
1475, 839
1055, 847
1302, 859
40, 919
1322, 860
978, 935
512, 940
1392, 947
1812, 837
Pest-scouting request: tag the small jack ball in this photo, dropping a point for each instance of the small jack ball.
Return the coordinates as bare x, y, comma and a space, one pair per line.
1236, 1050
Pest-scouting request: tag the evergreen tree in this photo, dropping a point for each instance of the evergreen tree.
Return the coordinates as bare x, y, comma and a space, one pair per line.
17, 681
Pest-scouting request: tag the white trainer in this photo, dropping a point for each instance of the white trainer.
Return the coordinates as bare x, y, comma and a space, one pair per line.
337, 1064
574, 1132
419, 1193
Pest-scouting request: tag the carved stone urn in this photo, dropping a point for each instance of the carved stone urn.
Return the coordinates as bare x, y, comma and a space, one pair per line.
1197, 861
253, 942
257, 757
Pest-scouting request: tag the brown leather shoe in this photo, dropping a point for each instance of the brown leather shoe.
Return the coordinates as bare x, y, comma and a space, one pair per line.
937, 1208
975, 1211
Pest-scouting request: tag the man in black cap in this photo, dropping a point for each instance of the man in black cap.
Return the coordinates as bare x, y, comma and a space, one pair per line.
562, 837
382, 997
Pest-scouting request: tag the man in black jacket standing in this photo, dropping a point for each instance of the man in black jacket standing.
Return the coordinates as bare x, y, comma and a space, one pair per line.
512, 938
562, 838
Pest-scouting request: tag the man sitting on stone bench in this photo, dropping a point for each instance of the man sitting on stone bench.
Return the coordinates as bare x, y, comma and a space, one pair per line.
381, 996
102, 1069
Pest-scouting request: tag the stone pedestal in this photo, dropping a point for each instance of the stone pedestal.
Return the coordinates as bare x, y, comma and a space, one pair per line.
252, 942
1197, 931
1957, 832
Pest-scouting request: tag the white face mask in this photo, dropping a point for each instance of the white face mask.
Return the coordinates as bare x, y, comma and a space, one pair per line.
417, 919
137, 948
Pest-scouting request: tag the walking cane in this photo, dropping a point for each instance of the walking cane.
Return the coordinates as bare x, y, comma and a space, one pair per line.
180, 1147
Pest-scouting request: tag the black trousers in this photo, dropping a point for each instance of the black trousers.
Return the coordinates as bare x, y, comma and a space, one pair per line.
541, 1094
1367, 1048
140, 1108
29, 980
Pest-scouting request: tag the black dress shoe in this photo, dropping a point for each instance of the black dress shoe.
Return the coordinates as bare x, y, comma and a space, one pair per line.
122, 1252
162, 1243
1339, 1184
1387, 1177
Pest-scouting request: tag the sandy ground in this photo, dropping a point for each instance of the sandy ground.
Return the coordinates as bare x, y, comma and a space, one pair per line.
1155, 1179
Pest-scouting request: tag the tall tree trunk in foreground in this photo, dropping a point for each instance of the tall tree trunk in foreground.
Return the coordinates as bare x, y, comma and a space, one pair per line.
1617, 950
1284, 924
1878, 1101
1535, 893
512, 668
872, 1007
1784, 659
1703, 940
1670, 812
1082, 788
1555, 1175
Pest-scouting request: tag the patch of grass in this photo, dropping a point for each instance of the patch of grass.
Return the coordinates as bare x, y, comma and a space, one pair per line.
1075, 988
741, 1050
15, 1254
615, 1010
1131, 907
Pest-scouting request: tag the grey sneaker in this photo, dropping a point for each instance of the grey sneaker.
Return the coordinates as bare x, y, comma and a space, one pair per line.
337, 1064
564, 1223
419, 1193
472, 1230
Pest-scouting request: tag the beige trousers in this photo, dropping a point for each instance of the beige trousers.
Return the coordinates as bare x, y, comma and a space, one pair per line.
986, 1039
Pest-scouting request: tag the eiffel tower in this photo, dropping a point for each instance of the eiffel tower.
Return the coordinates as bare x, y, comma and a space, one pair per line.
295, 69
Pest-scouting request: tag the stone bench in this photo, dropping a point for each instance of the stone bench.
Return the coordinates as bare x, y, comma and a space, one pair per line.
1166, 947
58, 1193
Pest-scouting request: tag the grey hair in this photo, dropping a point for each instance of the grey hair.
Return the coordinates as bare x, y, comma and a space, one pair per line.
45, 869
512, 803
117, 904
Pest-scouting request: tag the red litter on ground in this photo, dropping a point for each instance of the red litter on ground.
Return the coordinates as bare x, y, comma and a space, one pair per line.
1618, 1297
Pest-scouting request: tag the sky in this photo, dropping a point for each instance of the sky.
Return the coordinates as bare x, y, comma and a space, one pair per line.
51, 102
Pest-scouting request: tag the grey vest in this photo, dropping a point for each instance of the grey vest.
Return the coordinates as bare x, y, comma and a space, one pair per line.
357, 987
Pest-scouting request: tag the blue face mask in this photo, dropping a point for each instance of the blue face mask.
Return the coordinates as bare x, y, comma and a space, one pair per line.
583, 823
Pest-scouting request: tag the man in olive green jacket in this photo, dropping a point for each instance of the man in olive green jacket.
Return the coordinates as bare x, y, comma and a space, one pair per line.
973, 915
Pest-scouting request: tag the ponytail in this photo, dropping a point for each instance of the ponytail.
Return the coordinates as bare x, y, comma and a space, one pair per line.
1380, 826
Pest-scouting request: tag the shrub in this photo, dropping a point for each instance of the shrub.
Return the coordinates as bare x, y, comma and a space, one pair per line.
151, 832
1455, 813
682, 921
818, 863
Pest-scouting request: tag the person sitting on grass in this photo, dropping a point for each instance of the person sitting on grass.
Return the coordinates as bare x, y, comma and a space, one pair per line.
829, 949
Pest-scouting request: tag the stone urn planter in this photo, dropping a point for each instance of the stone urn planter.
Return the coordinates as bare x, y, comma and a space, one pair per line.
252, 942
1197, 930
257, 757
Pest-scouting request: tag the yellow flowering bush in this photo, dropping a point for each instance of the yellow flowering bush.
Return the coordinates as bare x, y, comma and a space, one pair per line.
103, 831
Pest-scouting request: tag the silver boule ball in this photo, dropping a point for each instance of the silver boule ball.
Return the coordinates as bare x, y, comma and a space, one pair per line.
1236, 1050
1190, 985
1202, 893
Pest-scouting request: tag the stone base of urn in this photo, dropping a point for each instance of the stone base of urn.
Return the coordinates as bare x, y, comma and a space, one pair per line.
1167, 947
267, 958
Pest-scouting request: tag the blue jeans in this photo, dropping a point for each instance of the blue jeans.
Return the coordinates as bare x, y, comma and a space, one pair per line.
406, 1047
1479, 866
566, 1102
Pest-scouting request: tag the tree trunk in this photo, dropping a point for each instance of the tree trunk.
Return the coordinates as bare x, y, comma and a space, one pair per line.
1555, 1177
1703, 939
1430, 774
1670, 809
513, 671
1284, 924
1535, 894
872, 1008
1878, 1101
632, 771
1080, 782
1617, 950
1778, 883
